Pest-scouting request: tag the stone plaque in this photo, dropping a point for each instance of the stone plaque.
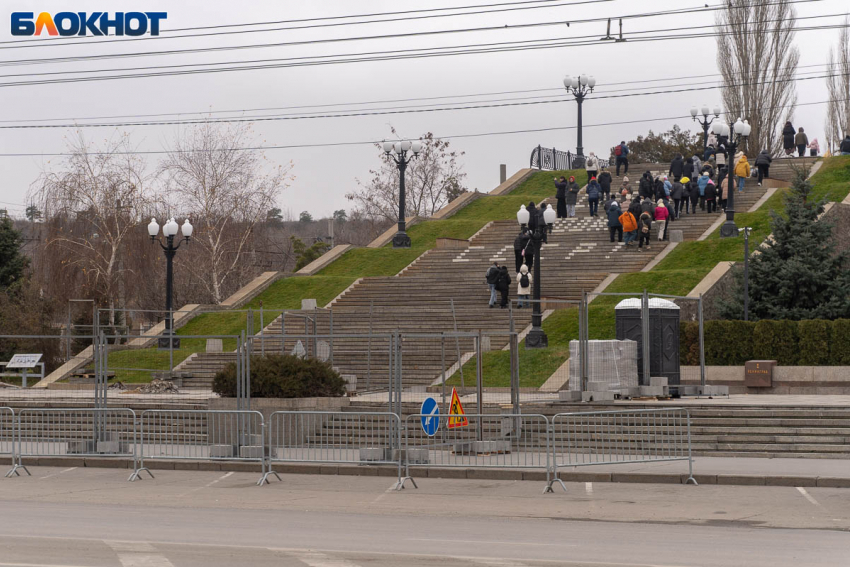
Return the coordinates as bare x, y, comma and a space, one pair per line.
759, 373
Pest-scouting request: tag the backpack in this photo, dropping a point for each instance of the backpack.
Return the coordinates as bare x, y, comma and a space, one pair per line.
618, 151
523, 280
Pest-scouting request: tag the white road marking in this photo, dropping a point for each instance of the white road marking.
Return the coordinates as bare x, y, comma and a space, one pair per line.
36, 565
138, 554
219, 479
588, 487
807, 496
316, 559
387, 491
58, 473
495, 542
499, 562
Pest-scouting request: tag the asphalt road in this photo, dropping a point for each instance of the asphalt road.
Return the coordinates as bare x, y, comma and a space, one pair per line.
93, 518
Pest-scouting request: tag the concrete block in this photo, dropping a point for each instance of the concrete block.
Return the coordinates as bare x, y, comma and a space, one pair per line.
485, 343
221, 451
569, 396
186, 465
350, 383
598, 396
308, 304
113, 447
649, 391
833, 482
536, 476
215, 345
416, 456
676, 235
688, 390
629, 392
375, 454
329, 470
251, 451
482, 447
658, 381
709, 390
597, 386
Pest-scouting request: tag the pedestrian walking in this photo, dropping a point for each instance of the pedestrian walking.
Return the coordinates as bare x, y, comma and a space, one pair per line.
520, 242
763, 161
630, 227
621, 153
677, 167
625, 190
648, 206
593, 193
646, 186
676, 193
605, 181
788, 135
523, 279
844, 148
541, 221
645, 230
614, 224
591, 165
572, 197
528, 253
801, 141
742, 172
702, 183
561, 196
723, 192
492, 278
814, 147
661, 216
697, 166
711, 197
693, 191
503, 284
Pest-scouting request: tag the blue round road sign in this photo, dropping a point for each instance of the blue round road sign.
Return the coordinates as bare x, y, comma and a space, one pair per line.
430, 416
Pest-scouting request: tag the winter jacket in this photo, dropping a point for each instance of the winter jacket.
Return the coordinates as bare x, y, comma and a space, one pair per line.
532, 218
788, 135
628, 221
561, 187
645, 187
697, 166
624, 150
661, 213
677, 191
518, 243
800, 139
693, 190
702, 183
604, 180
815, 146
668, 187
503, 283
614, 216
593, 189
720, 157
648, 207
523, 290
635, 209
645, 221
628, 189
723, 190
710, 191
763, 158
845, 145
492, 275
610, 201
592, 164
708, 168
743, 168
572, 193
660, 193
677, 166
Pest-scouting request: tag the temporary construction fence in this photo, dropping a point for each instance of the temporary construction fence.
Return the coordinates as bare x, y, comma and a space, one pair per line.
614, 437
7, 436
200, 435
506, 441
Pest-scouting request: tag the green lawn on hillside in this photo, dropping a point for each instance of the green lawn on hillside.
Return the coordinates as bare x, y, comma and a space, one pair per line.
677, 274
287, 293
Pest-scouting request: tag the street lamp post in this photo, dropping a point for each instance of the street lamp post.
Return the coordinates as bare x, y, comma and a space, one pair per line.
536, 338
580, 87
734, 135
400, 149
705, 122
169, 230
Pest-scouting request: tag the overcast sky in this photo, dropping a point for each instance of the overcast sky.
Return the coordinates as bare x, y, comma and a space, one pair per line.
325, 174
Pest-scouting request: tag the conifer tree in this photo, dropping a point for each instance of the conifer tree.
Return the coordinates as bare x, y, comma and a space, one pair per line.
12, 262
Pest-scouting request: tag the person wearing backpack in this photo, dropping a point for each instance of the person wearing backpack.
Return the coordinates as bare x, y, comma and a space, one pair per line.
593, 193
621, 154
630, 227
686, 194
503, 284
492, 277
676, 194
614, 224
591, 165
644, 229
523, 279
702, 183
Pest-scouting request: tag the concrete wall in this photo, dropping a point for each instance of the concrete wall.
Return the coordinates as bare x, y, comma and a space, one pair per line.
798, 380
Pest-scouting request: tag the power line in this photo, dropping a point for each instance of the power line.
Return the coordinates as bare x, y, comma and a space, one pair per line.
372, 142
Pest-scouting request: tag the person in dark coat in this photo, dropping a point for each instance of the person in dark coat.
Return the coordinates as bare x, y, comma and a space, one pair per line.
659, 192
693, 191
689, 168
647, 206
844, 148
532, 216
492, 278
644, 229
572, 197
646, 186
711, 197
763, 161
541, 221
520, 242
605, 181
676, 195
801, 141
593, 193
614, 226
677, 167
634, 207
788, 134
561, 196
504, 286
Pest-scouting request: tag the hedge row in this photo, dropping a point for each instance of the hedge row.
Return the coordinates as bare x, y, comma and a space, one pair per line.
790, 343
283, 376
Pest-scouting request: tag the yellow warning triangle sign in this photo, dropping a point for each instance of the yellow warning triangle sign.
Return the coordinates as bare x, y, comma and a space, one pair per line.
457, 417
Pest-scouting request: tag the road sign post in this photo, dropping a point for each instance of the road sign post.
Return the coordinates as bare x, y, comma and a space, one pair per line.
430, 416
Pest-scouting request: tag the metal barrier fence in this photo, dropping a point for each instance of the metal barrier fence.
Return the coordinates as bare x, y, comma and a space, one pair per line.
80, 432
7, 436
334, 437
617, 437
504, 441
206, 435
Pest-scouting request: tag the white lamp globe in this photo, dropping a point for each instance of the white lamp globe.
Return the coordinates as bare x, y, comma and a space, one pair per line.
568, 81
694, 112
575, 82
739, 126
704, 110
416, 147
397, 147
187, 228
747, 129
591, 81
583, 80
717, 111
717, 128
522, 215
549, 215
405, 146
153, 228
170, 228
726, 130
388, 147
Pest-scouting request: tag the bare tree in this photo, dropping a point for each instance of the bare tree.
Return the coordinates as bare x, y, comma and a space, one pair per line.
213, 178
92, 202
431, 180
838, 85
758, 62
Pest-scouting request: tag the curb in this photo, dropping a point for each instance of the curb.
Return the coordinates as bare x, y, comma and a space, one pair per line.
453, 473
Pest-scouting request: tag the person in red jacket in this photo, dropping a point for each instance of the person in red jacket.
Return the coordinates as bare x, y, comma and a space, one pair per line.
661, 217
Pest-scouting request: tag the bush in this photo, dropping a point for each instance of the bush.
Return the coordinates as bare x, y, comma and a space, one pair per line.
814, 342
728, 343
689, 343
283, 376
839, 350
776, 340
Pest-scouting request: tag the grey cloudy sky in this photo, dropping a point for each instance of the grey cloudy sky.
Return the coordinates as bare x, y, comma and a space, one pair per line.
324, 175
